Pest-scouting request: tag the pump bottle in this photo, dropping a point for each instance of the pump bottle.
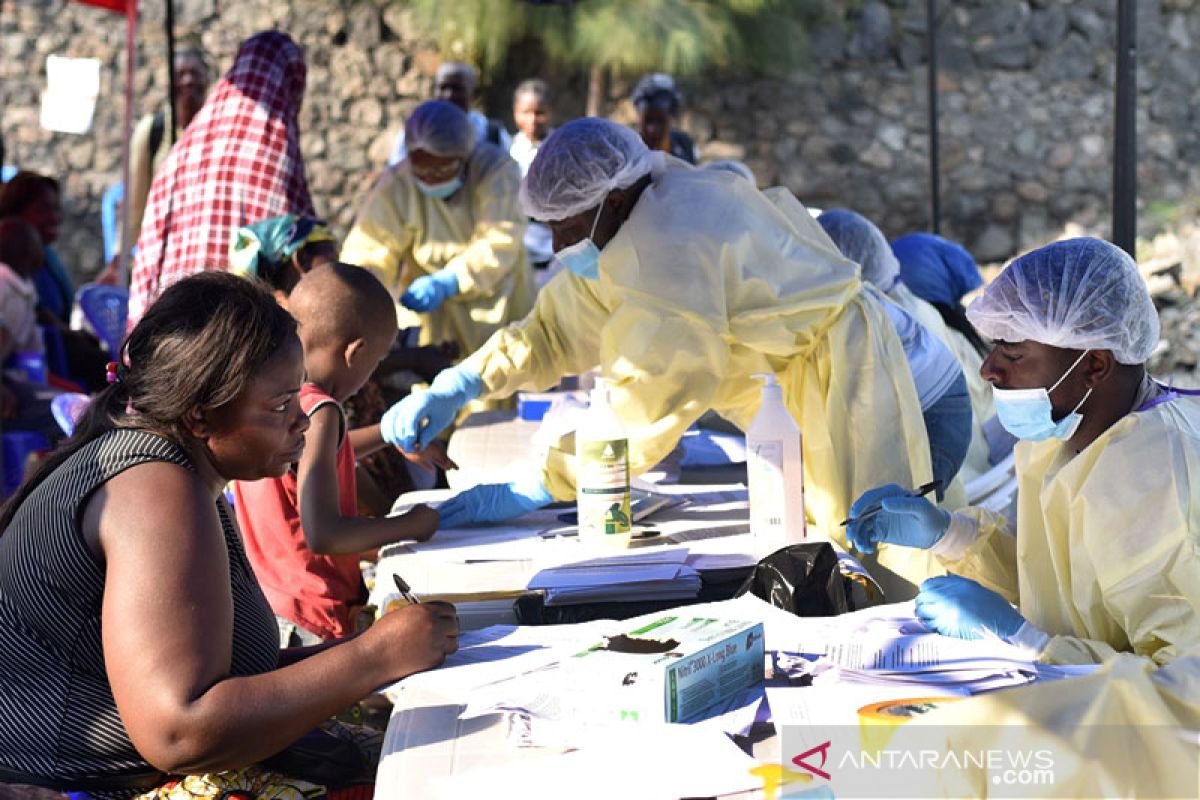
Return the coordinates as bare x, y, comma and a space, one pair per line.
775, 470
602, 474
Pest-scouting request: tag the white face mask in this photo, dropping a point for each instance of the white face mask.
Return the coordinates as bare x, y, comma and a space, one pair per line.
1028, 414
583, 257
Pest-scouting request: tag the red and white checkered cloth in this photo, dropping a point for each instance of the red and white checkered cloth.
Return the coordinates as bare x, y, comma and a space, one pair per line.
237, 163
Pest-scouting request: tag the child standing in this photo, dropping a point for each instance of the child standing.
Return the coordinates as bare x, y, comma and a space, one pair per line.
302, 531
532, 111
22, 405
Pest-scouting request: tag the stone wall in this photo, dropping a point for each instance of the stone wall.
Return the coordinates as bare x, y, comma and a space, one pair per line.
1025, 93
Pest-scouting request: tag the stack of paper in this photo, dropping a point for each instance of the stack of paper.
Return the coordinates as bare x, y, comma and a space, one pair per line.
652, 575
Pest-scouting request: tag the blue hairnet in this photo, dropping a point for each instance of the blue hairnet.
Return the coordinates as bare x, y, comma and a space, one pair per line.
1078, 294
440, 128
861, 242
936, 269
579, 164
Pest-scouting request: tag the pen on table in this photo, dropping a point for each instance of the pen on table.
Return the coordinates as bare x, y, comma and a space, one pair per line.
405, 590
920, 491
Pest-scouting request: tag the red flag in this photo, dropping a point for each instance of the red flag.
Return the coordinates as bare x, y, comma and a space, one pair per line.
121, 6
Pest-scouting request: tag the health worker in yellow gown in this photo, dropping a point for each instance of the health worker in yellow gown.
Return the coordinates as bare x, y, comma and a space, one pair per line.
1104, 557
444, 231
680, 284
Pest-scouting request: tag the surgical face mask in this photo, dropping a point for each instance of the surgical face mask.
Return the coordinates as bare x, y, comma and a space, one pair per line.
1027, 413
583, 257
440, 190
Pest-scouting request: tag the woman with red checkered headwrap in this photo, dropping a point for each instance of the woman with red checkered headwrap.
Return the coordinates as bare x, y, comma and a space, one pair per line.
238, 162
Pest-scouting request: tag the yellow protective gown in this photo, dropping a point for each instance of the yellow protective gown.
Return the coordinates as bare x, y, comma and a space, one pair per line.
982, 407
478, 233
1128, 730
707, 282
1107, 552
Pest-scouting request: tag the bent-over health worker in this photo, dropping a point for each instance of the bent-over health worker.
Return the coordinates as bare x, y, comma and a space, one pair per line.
444, 231
1104, 556
680, 284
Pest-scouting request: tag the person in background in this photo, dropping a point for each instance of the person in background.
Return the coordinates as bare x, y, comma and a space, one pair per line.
683, 283
658, 103
954, 428
302, 530
238, 162
458, 83
21, 407
1103, 557
532, 110
444, 231
152, 137
279, 251
160, 671
35, 198
940, 272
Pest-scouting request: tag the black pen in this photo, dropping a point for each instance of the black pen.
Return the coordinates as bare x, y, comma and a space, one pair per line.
920, 491
405, 590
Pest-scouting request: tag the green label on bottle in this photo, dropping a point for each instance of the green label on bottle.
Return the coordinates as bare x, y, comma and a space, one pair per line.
603, 481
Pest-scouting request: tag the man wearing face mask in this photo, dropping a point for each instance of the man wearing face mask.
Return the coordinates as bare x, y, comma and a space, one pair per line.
680, 284
444, 230
1104, 557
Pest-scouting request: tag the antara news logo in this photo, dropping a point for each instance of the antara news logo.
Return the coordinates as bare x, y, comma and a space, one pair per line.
1005, 767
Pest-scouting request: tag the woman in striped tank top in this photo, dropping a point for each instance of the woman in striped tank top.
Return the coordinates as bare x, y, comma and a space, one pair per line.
140, 658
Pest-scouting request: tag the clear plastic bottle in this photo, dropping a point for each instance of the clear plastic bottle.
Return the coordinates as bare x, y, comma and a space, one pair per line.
775, 470
602, 474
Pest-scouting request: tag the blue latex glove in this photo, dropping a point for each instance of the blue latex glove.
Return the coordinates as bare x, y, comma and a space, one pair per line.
416, 420
956, 606
908, 521
492, 502
428, 292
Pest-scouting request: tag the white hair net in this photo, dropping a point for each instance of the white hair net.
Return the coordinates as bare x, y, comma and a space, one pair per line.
440, 128
863, 243
1078, 294
730, 165
579, 164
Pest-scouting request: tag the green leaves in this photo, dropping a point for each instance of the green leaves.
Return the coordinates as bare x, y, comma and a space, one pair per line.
683, 37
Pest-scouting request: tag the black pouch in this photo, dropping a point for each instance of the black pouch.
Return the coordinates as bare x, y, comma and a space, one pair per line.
324, 759
801, 578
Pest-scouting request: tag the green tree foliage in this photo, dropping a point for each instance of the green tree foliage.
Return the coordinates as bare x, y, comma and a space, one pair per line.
683, 37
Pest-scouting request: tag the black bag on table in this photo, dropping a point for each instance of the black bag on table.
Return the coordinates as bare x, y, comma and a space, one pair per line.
804, 579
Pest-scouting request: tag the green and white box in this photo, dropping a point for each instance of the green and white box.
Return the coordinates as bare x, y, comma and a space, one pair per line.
707, 662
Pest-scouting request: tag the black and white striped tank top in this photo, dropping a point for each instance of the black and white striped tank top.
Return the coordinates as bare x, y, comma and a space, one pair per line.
58, 719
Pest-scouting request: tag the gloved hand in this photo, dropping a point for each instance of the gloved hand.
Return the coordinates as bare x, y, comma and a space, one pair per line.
493, 502
904, 520
956, 606
428, 292
416, 420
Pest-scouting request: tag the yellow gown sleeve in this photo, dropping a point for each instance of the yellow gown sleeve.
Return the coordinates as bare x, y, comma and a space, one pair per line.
992, 557
497, 241
381, 235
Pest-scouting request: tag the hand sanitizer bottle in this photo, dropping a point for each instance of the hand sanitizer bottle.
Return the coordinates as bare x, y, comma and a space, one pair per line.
775, 470
602, 474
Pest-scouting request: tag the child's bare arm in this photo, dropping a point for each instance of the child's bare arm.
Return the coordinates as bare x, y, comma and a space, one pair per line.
433, 455
325, 529
366, 441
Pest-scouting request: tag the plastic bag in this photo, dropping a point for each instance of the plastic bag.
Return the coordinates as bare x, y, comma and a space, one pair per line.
804, 579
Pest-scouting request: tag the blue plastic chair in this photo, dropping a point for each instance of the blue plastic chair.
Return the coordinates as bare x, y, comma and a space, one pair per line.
110, 220
17, 446
106, 309
68, 408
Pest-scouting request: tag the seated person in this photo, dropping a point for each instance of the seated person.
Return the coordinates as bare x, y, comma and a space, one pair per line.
658, 103
20, 336
35, 198
941, 384
1103, 558
280, 250
302, 530
163, 658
